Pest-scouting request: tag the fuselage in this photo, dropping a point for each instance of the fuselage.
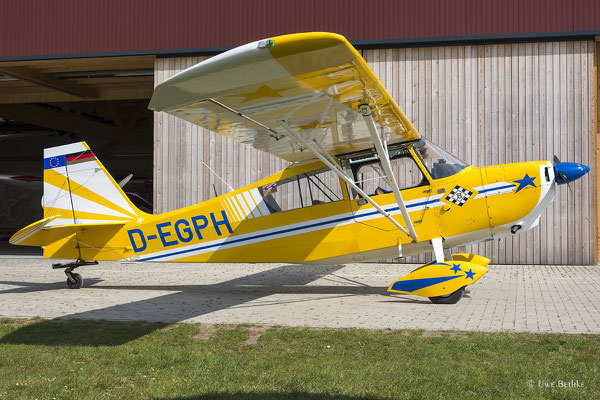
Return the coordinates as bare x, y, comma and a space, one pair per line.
475, 204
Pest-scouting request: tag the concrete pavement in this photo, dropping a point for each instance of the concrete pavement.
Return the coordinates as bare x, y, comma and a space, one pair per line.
512, 298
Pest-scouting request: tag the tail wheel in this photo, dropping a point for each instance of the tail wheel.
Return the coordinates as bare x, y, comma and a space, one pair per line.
451, 298
76, 282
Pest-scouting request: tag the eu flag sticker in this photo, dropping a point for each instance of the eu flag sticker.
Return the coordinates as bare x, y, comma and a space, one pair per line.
55, 162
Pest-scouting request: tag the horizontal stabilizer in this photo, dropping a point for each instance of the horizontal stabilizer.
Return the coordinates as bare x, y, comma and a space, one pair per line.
44, 232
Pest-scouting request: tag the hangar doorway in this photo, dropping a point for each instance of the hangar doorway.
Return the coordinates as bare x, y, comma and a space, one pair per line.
45, 103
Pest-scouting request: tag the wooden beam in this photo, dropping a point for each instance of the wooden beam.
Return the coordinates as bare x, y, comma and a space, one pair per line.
85, 64
54, 119
26, 133
40, 78
34, 94
97, 82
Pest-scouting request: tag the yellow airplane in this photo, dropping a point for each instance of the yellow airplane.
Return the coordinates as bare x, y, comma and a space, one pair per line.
362, 184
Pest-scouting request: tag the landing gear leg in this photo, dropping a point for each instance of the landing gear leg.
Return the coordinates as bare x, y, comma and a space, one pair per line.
74, 280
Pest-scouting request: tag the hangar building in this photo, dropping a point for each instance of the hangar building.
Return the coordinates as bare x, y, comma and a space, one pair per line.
490, 81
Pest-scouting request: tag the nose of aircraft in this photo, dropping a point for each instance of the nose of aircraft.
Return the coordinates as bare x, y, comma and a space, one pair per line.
566, 172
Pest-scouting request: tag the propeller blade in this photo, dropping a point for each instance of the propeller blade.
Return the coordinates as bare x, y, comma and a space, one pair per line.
556, 159
125, 180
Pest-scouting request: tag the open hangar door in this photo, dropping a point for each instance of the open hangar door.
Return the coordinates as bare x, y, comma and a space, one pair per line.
45, 103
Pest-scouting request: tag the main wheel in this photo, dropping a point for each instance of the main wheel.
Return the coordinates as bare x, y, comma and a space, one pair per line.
78, 281
451, 298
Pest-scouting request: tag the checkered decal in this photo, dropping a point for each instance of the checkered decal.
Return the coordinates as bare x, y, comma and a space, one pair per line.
459, 195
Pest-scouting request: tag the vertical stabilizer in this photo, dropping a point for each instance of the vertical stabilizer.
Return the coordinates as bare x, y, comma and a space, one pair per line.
79, 190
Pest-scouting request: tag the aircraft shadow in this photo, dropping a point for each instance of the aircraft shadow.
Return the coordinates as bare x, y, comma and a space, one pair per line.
94, 328
32, 287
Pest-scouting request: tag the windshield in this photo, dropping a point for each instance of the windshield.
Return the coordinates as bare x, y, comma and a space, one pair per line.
438, 162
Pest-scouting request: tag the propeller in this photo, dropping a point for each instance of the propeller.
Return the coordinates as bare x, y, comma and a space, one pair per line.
567, 172
557, 161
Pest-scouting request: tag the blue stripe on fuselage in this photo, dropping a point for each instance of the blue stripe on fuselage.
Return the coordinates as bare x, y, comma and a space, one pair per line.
496, 188
234, 240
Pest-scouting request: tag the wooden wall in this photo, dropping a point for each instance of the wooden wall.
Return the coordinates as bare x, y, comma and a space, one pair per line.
487, 104
185, 154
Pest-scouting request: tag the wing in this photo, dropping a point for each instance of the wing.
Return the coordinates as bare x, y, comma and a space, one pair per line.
313, 81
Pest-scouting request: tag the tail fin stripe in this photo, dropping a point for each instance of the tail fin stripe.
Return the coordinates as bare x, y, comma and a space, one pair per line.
80, 158
59, 198
83, 191
79, 155
96, 178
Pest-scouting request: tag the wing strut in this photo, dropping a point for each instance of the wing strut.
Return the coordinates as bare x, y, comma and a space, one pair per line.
328, 160
384, 157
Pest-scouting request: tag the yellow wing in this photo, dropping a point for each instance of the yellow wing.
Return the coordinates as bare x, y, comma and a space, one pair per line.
313, 81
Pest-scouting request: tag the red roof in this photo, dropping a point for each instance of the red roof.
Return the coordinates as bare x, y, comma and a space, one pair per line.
40, 28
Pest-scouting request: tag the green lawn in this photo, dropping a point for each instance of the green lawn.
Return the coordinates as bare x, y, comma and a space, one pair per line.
99, 359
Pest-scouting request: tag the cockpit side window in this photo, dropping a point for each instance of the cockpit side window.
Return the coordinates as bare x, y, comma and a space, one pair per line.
439, 163
371, 176
315, 187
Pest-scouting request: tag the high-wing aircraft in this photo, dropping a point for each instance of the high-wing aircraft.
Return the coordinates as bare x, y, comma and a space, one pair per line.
362, 184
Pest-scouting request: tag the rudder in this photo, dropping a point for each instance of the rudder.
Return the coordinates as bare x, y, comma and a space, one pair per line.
79, 190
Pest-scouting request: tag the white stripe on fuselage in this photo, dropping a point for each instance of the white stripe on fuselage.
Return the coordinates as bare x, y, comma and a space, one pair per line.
289, 230
314, 225
493, 189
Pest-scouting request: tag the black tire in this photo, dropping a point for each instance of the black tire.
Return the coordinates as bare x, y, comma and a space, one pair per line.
451, 298
78, 282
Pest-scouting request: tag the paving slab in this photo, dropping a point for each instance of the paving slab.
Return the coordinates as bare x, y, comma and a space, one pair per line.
510, 298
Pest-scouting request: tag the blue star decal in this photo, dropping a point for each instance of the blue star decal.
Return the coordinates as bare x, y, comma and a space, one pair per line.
470, 273
526, 181
456, 268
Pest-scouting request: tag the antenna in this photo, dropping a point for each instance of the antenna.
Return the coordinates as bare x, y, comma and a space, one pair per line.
217, 175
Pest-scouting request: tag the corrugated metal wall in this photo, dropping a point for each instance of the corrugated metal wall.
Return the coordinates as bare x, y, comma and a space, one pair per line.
60, 27
486, 104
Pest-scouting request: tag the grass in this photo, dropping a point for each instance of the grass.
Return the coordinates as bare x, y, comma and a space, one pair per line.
99, 359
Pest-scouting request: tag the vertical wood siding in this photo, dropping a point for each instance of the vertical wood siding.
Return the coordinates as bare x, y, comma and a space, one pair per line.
488, 105
185, 154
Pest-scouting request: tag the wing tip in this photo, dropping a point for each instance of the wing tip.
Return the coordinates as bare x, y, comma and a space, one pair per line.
295, 43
